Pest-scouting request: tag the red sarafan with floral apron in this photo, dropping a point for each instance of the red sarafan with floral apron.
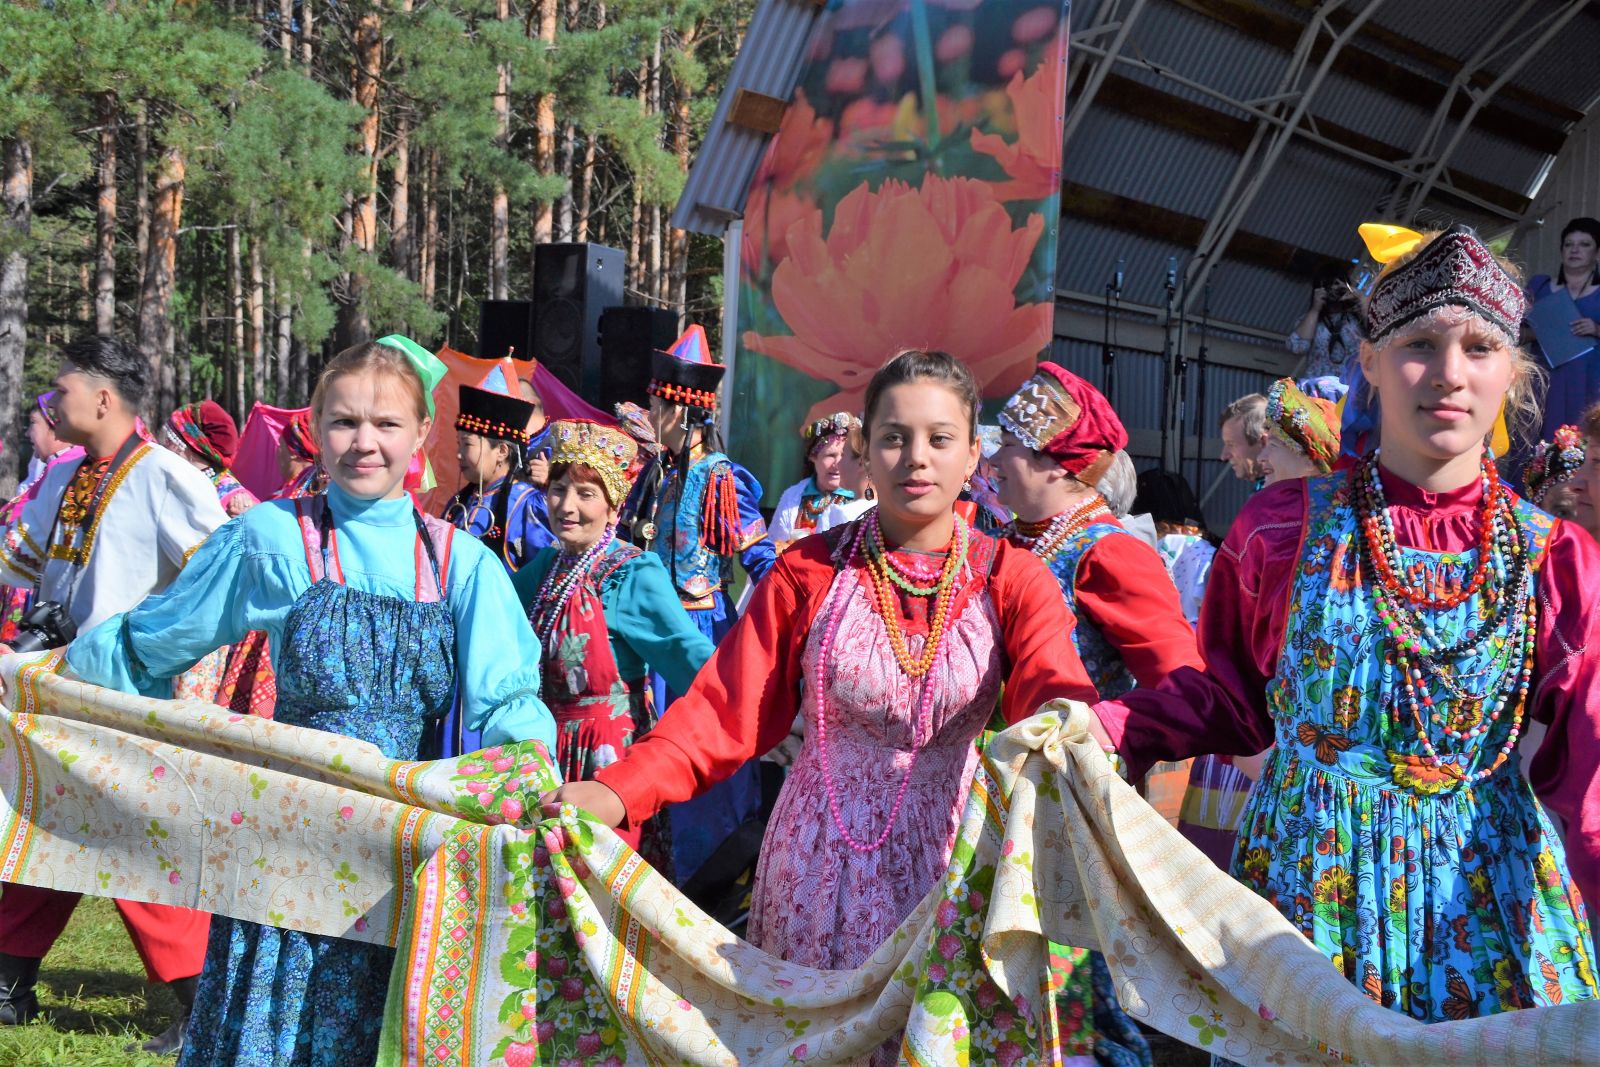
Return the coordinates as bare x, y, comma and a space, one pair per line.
598, 713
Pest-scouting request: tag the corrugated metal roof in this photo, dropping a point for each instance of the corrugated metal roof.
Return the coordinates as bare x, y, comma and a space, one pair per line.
769, 63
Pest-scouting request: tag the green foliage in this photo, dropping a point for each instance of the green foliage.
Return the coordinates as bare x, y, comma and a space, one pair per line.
272, 152
96, 1000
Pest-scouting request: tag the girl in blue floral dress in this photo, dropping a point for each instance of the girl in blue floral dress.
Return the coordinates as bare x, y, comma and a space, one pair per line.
1392, 629
378, 618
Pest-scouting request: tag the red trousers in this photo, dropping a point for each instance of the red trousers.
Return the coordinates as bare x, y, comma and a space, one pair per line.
171, 941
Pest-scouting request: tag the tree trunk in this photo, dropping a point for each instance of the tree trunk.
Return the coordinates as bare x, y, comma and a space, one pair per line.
155, 299
16, 198
256, 327
401, 239
364, 75
585, 181
286, 30
141, 193
677, 293
280, 329
544, 130
305, 33
105, 221
236, 343
429, 265
653, 282
499, 201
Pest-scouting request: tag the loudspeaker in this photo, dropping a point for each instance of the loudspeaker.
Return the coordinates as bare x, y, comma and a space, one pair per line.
572, 284
627, 337
504, 326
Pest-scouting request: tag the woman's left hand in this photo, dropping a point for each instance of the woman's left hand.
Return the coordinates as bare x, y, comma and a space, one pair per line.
1585, 328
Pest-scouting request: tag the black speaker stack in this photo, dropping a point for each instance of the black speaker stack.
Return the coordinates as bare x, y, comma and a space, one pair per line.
577, 327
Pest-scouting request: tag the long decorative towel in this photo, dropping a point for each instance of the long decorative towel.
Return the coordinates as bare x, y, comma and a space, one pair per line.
528, 941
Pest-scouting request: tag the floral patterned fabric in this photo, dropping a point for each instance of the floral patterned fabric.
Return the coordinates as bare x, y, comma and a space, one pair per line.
526, 941
1439, 900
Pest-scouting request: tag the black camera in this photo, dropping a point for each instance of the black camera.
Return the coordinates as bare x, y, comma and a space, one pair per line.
46, 625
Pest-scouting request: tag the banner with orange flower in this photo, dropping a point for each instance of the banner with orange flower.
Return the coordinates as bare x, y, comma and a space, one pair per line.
909, 200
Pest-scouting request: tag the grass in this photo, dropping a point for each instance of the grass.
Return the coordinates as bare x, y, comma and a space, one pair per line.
95, 1000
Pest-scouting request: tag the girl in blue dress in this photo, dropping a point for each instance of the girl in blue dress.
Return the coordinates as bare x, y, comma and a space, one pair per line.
334, 580
1392, 630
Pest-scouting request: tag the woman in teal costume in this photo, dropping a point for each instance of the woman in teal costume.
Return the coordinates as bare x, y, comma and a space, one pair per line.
378, 618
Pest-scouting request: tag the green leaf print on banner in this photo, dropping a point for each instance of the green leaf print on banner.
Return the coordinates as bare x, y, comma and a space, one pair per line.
67, 758
258, 784
1207, 1030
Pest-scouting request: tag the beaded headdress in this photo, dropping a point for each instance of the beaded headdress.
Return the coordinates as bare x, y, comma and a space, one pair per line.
1058, 413
496, 415
1308, 424
608, 451
1554, 461
1454, 269
686, 374
819, 432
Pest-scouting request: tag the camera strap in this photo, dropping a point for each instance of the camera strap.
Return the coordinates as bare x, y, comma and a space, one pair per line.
96, 502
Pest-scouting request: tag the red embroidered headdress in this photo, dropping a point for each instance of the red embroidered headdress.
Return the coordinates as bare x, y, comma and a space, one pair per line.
1455, 268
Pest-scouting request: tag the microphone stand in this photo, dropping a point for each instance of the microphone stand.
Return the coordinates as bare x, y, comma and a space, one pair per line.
1108, 353
1166, 358
1181, 376
1200, 387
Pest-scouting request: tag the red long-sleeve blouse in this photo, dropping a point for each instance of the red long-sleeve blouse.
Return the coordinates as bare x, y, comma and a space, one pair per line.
1223, 708
745, 699
1123, 587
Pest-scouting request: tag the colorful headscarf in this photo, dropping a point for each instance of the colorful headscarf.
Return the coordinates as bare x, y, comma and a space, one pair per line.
206, 429
1058, 413
1554, 461
636, 421
298, 438
1308, 424
608, 451
1454, 269
46, 403
819, 432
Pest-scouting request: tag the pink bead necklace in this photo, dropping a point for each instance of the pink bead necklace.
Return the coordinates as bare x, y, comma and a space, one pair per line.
924, 725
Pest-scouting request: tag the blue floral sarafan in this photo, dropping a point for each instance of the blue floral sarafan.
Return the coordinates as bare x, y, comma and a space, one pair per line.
1439, 899
1100, 657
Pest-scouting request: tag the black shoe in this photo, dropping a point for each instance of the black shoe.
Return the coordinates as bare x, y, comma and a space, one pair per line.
18, 1002
169, 1042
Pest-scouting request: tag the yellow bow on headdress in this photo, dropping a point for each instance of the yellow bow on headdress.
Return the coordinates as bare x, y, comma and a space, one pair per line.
1386, 243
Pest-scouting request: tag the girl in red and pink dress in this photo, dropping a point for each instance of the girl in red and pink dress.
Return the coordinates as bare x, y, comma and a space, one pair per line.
890, 636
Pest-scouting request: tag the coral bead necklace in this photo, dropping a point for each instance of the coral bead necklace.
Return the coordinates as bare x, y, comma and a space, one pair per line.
1047, 540
867, 532
1504, 574
885, 578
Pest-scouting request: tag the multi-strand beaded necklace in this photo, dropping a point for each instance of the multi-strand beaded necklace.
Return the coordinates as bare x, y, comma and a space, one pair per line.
886, 575
566, 574
1504, 575
1047, 539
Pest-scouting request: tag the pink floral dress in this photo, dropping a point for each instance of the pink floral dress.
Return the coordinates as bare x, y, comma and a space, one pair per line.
854, 901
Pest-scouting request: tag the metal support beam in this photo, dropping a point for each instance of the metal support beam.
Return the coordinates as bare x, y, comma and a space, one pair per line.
1259, 162
1107, 59
1522, 53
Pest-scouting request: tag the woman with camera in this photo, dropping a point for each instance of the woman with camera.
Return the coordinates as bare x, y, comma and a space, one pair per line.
333, 579
1328, 338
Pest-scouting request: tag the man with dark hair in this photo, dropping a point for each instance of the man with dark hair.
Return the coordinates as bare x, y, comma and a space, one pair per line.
101, 535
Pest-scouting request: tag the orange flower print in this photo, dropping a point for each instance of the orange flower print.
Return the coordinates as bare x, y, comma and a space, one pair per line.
798, 149
1411, 772
932, 267
1033, 161
1336, 886
1346, 707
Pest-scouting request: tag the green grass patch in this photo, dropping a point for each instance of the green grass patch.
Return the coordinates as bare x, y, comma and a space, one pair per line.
95, 999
